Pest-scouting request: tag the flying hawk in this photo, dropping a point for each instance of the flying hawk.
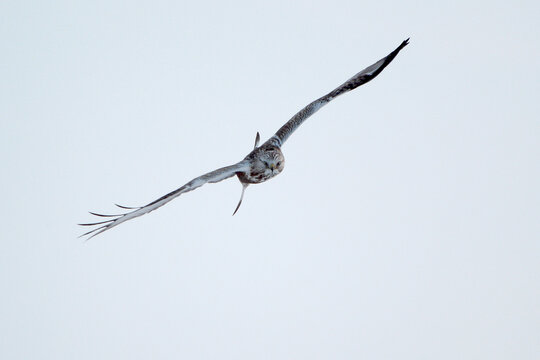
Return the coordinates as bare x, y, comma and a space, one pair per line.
261, 164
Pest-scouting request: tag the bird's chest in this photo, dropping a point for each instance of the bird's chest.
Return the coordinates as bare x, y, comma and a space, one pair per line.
255, 176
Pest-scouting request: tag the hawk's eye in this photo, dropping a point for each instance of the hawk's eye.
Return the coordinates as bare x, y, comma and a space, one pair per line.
278, 163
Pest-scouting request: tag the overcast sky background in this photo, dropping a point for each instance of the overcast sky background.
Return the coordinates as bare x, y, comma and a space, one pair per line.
404, 226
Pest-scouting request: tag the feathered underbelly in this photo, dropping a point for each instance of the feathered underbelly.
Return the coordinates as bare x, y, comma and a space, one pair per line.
255, 177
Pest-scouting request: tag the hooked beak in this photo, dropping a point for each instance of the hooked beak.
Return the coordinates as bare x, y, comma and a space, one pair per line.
272, 166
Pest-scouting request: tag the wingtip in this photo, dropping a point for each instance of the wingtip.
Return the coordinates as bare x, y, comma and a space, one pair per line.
104, 215
91, 231
99, 232
97, 223
127, 207
404, 43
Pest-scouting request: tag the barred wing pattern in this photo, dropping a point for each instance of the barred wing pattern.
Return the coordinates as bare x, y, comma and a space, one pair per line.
361, 78
211, 177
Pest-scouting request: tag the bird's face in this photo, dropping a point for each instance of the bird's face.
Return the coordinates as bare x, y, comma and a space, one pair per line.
272, 161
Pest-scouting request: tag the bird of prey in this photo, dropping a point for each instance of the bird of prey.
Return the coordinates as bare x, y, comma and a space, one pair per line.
261, 164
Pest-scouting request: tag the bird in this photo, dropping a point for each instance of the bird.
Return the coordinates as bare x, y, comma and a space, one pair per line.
263, 163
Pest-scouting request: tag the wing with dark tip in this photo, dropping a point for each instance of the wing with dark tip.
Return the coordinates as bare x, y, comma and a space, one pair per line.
361, 78
211, 177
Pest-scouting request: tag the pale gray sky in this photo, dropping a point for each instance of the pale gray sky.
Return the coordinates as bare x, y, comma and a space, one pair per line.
404, 226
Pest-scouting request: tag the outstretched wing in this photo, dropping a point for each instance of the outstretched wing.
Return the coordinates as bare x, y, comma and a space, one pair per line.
211, 177
361, 78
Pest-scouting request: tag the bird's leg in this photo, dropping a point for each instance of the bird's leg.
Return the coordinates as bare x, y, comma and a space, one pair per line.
257, 139
244, 186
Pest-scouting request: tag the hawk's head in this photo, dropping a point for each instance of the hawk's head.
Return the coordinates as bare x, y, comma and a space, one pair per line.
272, 159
